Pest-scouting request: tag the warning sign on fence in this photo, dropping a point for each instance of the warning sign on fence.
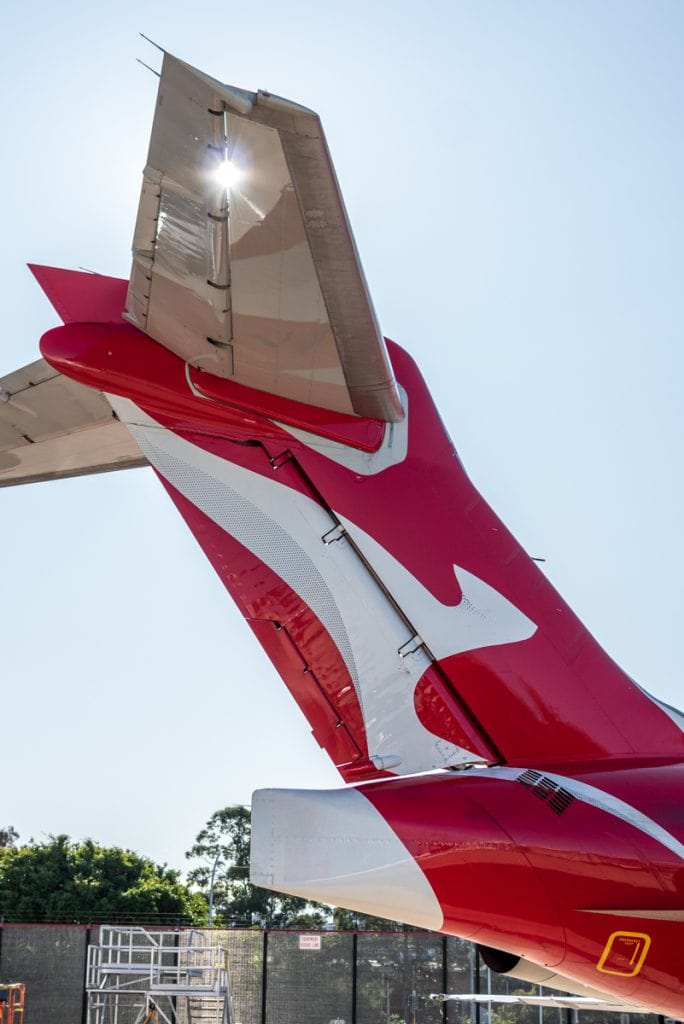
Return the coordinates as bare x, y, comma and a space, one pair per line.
309, 942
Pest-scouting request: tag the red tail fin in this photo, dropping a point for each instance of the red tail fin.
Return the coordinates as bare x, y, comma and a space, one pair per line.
80, 297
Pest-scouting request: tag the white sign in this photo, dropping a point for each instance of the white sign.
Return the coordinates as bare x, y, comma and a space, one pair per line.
309, 942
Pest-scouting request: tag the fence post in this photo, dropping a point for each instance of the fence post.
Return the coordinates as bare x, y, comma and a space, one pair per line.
355, 953
176, 946
264, 977
84, 1001
476, 979
445, 979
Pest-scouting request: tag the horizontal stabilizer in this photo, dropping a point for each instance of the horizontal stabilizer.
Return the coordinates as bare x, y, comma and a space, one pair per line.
53, 427
244, 263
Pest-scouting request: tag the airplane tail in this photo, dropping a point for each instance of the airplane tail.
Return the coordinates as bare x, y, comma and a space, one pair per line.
406, 620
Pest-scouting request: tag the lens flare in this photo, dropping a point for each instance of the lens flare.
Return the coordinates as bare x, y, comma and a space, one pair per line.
228, 175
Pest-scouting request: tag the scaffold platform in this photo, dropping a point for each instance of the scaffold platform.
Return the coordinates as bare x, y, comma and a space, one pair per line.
138, 975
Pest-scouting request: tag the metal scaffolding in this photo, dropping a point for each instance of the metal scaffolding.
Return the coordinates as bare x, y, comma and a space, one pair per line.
135, 975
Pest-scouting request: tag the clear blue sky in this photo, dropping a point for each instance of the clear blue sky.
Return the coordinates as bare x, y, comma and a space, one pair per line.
513, 172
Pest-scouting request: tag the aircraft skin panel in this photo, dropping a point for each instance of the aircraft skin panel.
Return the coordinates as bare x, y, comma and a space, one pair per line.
471, 606
285, 626
99, 449
304, 856
285, 529
304, 653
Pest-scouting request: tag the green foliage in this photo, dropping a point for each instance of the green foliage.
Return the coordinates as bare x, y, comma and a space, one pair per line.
238, 903
507, 1014
396, 973
59, 880
353, 920
8, 836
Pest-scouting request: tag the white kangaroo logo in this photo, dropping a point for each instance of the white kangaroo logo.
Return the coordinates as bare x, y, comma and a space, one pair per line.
284, 529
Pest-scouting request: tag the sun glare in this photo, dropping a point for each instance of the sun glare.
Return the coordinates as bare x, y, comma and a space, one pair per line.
228, 175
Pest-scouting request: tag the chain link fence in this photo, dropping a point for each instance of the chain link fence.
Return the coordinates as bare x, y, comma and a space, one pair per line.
287, 977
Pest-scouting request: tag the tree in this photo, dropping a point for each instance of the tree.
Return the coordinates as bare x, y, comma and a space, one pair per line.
354, 920
59, 880
8, 836
237, 902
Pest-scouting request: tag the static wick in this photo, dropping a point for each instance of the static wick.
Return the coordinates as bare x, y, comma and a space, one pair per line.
537, 559
148, 67
148, 40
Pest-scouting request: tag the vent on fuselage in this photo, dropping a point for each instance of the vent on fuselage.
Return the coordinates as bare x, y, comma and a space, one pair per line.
544, 788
